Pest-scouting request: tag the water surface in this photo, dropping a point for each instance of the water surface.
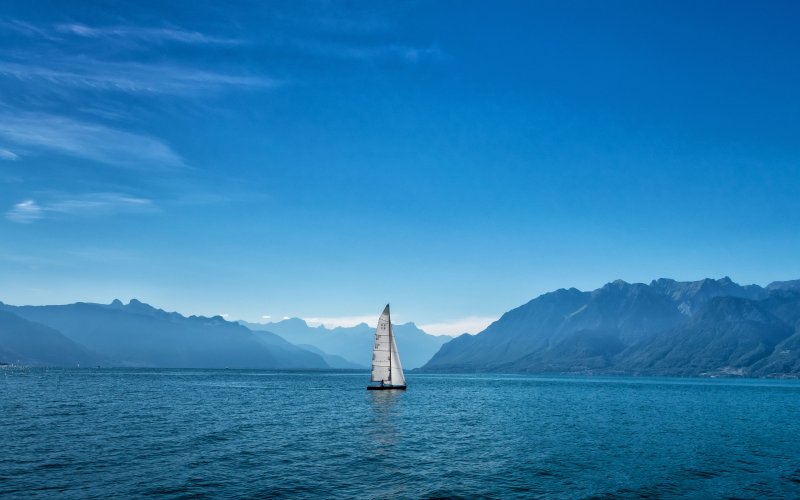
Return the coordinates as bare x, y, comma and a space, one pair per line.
242, 434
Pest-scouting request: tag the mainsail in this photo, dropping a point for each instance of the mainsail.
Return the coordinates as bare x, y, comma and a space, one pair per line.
386, 366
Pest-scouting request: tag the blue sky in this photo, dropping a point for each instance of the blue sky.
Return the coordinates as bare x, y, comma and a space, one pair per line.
455, 158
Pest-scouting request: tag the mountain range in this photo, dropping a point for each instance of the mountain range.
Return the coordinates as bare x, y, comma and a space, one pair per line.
708, 327
354, 344
137, 334
699, 328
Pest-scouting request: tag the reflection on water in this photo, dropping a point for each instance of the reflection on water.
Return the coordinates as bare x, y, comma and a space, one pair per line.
383, 426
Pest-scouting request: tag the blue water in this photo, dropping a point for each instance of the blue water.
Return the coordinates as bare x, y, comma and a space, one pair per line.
244, 434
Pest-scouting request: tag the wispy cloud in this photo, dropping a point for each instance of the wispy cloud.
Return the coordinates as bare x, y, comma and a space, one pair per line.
91, 204
109, 59
131, 77
353, 37
470, 324
25, 212
120, 33
87, 140
98, 67
101, 203
144, 34
8, 155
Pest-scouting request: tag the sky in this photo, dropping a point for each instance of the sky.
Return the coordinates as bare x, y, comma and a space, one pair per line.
262, 160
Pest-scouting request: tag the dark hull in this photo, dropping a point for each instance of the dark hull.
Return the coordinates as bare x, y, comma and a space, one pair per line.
386, 387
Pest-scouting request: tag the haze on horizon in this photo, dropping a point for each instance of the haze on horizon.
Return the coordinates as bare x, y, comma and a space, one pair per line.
457, 159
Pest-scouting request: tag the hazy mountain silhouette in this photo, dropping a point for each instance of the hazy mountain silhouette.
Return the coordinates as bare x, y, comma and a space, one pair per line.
712, 327
29, 343
354, 344
333, 360
137, 334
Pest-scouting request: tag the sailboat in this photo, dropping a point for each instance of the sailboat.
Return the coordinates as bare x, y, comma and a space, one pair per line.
386, 366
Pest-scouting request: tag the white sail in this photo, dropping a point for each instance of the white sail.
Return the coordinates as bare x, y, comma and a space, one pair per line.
397, 368
382, 350
386, 366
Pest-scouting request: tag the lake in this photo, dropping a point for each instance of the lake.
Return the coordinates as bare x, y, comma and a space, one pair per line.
102, 433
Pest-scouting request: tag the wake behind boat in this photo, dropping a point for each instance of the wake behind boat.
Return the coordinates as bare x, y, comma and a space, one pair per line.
386, 367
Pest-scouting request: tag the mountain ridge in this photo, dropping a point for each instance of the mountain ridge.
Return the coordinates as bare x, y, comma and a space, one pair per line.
137, 334
707, 327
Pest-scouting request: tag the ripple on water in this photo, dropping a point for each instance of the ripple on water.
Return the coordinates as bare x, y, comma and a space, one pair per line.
244, 434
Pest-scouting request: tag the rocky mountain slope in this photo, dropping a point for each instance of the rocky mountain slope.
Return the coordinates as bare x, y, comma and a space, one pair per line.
707, 327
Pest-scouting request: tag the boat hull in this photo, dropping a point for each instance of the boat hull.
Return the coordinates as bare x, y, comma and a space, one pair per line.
386, 387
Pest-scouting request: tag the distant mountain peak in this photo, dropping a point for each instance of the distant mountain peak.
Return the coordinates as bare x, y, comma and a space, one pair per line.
133, 305
136, 305
294, 321
617, 287
558, 294
662, 282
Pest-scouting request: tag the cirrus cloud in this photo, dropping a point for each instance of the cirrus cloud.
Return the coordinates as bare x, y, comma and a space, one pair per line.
8, 155
144, 34
131, 77
25, 212
87, 140
91, 204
